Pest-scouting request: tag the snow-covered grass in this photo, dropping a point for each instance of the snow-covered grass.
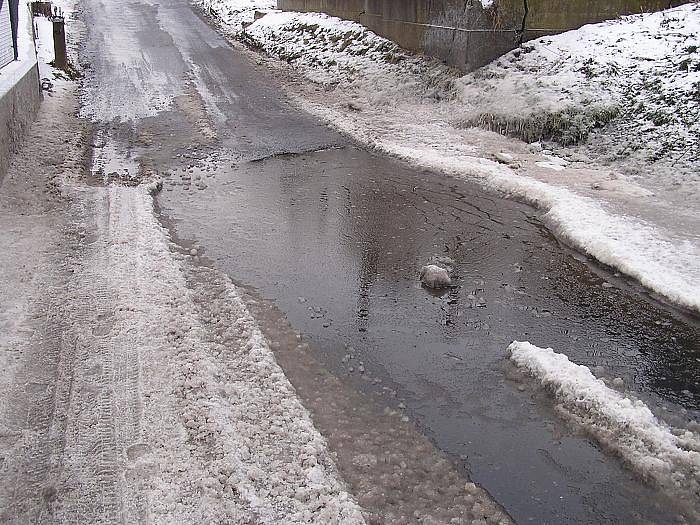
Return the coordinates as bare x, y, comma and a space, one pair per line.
641, 72
235, 14
419, 110
665, 455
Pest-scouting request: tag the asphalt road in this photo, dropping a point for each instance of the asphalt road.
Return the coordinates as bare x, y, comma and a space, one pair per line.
330, 237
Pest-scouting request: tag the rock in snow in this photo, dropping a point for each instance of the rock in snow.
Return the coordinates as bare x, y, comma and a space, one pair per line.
434, 276
503, 158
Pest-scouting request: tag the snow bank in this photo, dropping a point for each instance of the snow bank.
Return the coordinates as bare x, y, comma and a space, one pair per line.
668, 456
641, 71
332, 51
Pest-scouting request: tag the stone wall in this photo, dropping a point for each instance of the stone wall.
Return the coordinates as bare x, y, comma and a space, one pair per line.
462, 32
19, 104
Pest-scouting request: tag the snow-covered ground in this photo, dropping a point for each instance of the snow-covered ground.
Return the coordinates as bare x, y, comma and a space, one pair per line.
665, 455
643, 72
235, 14
157, 389
637, 212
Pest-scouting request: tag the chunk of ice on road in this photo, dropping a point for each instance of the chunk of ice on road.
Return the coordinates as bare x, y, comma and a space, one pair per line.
434, 276
670, 457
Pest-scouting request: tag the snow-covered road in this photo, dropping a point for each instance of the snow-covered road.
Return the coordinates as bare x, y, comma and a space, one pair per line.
137, 387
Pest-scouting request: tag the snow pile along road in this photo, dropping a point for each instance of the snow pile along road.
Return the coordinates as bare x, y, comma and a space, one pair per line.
640, 73
332, 51
420, 111
235, 14
665, 455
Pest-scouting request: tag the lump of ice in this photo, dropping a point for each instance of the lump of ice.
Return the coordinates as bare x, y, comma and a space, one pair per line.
435, 277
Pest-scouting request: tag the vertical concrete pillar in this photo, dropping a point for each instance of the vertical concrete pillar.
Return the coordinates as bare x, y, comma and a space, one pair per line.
59, 43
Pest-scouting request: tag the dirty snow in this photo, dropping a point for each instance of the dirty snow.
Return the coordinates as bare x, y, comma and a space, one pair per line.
665, 455
420, 111
252, 435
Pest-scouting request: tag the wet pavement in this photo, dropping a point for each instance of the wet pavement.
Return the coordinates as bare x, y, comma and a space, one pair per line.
333, 237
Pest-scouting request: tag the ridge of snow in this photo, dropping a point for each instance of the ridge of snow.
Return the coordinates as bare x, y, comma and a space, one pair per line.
668, 456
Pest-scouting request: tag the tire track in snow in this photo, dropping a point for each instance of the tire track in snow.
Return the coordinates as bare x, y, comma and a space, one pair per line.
167, 418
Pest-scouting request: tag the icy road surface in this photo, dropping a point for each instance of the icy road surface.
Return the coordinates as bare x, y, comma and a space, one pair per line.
332, 238
139, 387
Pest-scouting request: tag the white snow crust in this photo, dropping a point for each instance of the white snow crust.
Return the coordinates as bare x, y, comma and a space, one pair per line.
665, 455
414, 108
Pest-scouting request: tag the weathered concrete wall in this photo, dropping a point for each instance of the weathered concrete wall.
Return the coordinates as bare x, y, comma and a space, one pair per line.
465, 35
18, 108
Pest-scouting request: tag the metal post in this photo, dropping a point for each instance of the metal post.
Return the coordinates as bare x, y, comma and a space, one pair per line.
59, 43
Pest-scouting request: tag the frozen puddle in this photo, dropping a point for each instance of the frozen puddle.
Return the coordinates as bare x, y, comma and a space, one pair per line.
669, 457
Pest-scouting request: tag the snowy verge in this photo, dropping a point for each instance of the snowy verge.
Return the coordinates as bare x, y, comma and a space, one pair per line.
639, 72
235, 14
411, 108
665, 455
332, 51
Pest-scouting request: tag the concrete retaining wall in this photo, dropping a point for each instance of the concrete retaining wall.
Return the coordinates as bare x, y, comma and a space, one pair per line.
19, 104
464, 34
